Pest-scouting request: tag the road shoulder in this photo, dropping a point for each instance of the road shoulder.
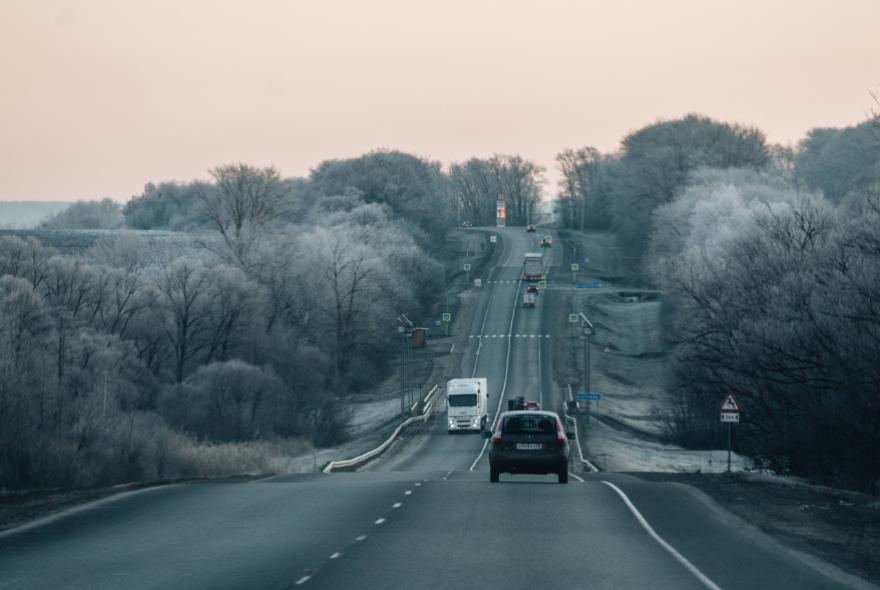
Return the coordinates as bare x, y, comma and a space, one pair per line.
820, 525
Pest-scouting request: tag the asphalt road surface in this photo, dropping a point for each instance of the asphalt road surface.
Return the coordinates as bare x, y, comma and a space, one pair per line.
426, 517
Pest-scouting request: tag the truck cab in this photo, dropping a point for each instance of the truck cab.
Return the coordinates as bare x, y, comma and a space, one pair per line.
467, 404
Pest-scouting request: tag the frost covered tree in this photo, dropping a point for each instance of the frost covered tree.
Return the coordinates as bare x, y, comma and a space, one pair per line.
775, 296
103, 214
244, 201
579, 170
476, 184
839, 161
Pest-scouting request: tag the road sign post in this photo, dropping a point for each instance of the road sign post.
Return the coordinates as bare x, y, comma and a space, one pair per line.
574, 271
447, 317
729, 415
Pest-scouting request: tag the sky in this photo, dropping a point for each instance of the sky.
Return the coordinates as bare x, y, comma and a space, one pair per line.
100, 97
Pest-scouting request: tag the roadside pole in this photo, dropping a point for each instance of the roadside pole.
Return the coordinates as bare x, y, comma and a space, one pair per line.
588, 332
402, 331
729, 415
728, 447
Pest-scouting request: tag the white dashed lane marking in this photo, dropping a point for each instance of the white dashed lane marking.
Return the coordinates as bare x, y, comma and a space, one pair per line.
407, 493
483, 336
336, 555
397, 505
360, 538
302, 580
379, 521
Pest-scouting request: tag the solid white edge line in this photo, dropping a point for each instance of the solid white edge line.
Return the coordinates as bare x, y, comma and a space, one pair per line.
672, 551
574, 475
302, 580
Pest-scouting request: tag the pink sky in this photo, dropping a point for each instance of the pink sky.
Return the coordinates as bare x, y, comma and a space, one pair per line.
101, 96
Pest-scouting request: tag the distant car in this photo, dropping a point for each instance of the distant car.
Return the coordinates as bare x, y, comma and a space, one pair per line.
531, 228
532, 289
532, 405
529, 442
546, 242
517, 403
467, 224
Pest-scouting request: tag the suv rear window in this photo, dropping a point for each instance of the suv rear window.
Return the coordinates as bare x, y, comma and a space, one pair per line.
529, 423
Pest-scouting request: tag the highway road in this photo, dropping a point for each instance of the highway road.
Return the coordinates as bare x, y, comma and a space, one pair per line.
426, 517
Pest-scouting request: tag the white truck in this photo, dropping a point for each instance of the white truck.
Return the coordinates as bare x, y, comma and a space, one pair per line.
533, 266
467, 404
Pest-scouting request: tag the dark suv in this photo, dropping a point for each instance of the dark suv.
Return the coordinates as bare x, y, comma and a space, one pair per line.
529, 442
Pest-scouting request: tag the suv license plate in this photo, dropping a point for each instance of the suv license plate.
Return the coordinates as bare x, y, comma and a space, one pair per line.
529, 446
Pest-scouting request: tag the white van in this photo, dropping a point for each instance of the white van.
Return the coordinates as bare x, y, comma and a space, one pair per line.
467, 403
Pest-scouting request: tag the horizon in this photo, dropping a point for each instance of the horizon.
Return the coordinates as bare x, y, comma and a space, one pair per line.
102, 106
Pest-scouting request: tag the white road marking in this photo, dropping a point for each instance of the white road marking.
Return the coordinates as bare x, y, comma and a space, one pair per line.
451, 349
580, 479
672, 551
418, 483
336, 555
379, 521
503, 385
360, 538
397, 505
302, 580
407, 493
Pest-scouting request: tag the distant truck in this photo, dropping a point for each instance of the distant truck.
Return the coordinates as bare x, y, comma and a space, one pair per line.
533, 267
467, 404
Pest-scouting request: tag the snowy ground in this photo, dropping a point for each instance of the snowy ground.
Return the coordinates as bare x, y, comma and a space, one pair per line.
616, 450
629, 364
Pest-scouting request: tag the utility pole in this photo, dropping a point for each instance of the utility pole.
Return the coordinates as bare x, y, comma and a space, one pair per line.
402, 331
587, 333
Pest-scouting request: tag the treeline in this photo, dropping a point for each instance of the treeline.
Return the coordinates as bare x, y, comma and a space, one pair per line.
117, 363
771, 259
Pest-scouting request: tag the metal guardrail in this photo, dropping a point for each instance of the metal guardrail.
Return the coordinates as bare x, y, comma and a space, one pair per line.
577, 439
372, 454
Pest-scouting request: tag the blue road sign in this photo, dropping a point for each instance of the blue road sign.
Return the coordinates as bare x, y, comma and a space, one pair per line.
583, 396
588, 285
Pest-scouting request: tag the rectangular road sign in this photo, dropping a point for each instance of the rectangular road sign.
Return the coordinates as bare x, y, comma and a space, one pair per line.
493, 239
447, 317
730, 416
573, 318
574, 267
542, 284
583, 396
589, 285
467, 266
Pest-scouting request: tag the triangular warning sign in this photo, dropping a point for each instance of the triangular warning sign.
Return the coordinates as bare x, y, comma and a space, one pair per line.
729, 404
